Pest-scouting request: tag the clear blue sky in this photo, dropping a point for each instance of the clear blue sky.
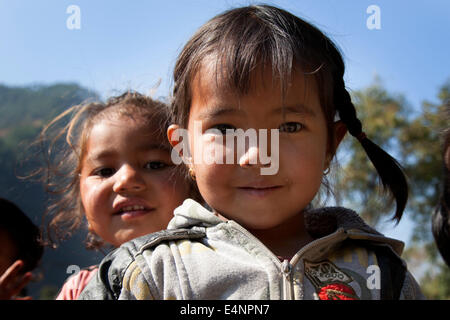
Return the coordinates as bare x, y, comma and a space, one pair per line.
132, 44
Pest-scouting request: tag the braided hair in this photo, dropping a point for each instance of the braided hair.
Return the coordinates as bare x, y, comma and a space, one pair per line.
389, 170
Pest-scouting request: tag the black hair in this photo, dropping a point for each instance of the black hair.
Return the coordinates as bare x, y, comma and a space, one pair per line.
246, 39
441, 217
24, 234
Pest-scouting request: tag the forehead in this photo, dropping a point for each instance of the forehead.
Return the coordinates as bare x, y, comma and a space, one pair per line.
124, 133
120, 125
214, 86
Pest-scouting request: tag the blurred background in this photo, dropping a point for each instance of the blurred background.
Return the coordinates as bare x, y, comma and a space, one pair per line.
55, 54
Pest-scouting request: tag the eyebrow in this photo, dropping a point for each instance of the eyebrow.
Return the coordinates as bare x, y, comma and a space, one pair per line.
214, 112
97, 156
296, 109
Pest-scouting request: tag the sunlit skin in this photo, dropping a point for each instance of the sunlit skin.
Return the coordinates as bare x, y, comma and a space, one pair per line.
128, 184
270, 206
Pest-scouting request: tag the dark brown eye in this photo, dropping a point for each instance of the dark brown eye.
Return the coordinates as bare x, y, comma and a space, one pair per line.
105, 172
291, 127
155, 165
224, 127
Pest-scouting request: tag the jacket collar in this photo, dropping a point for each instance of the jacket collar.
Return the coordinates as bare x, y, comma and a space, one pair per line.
319, 223
324, 221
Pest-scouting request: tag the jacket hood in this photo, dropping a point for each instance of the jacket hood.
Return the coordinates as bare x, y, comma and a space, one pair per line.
190, 214
319, 222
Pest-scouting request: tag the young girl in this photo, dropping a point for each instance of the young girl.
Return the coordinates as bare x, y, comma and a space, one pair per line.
253, 68
120, 175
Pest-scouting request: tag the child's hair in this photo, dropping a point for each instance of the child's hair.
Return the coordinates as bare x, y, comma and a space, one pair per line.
251, 38
65, 149
24, 234
441, 216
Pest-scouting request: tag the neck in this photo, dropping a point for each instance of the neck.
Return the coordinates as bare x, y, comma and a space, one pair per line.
285, 239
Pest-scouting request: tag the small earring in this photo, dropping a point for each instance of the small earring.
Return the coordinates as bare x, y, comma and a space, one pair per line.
192, 173
327, 171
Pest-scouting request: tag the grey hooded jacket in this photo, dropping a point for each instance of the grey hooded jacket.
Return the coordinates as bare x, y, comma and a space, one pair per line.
200, 256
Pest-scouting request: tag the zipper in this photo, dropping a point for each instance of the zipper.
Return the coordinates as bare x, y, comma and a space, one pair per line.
286, 265
287, 283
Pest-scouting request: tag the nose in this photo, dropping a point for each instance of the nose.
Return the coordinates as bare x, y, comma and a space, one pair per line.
251, 158
128, 180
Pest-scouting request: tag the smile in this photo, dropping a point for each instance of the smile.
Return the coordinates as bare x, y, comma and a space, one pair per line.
129, 211
131, 208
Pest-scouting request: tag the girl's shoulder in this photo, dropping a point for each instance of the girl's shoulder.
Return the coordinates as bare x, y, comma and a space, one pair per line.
117, 263
76, 283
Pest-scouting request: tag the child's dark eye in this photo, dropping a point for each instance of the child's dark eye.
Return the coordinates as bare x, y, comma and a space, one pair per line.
104, 172
224, 127
155, 165
291, 127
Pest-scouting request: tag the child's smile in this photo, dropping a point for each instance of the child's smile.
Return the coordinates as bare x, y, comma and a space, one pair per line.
238, 191
128, 186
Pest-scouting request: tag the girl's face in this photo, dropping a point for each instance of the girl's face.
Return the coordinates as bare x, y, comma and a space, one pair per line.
238, 191
128, 183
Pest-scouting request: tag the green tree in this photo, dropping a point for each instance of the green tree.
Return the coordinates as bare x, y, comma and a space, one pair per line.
413, 137
421, 143
24, 111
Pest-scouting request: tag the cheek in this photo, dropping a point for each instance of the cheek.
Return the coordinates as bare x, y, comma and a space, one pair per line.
306, 160
214, 181
172, 190
213, 175
93, 198
209, 156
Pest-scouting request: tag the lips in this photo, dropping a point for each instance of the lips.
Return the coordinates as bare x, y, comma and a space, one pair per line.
259, 190
130, 209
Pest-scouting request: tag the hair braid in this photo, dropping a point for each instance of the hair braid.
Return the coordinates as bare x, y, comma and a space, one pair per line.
392, 177
347, 111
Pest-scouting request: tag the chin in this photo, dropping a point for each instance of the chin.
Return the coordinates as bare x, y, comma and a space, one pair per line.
258, 223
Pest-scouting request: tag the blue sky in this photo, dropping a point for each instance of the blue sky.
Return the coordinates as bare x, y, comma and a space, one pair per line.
133, 44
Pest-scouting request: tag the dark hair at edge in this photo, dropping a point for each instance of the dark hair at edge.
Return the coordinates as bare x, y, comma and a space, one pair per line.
440, 220
25, 235
245, 39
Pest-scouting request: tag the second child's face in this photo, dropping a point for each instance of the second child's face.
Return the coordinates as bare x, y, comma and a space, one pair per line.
128, 183
239, 191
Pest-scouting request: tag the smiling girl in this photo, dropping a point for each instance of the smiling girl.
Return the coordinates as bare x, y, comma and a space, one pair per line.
260, 67
120, 177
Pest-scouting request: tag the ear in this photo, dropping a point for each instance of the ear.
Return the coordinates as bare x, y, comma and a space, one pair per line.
174, 140
170, 132
340, 129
